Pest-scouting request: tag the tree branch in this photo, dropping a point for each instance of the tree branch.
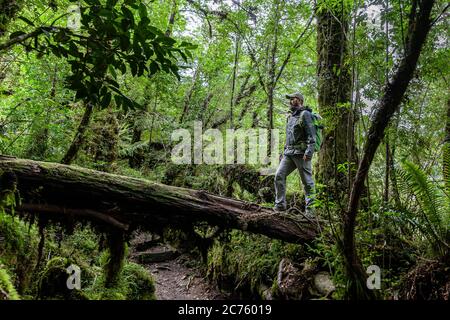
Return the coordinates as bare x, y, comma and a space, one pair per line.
20, 39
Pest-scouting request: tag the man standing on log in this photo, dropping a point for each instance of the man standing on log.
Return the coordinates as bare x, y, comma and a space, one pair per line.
298, 152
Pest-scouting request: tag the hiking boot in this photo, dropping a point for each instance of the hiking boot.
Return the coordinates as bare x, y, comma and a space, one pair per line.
279, 209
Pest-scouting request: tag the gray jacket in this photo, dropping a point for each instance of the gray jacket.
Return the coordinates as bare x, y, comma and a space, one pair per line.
300, 133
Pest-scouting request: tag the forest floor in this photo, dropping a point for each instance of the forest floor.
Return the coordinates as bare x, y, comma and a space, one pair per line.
177, 276
175, 280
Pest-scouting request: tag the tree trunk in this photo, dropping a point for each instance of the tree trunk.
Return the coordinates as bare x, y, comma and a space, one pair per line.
172, 16
105, 140
419, 26
446, 152
204, 108
38, 145
188, 96
272, 74
233, 80
136, 158
72, 152
155, 105
246, 91
386, 79
60, 192
334, 96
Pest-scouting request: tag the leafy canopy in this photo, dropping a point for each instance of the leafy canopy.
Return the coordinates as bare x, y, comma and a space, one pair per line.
113, 36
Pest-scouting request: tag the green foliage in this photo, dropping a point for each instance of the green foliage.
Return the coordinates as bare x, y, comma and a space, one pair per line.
53, 281
18, 242
8, 10
115, 60
18, 248
329, 255
18, 251
446, 165
134, 282
140, 283
343, 7
111, 39
433, 220
231, 261
102, 140
317, 121
7, 290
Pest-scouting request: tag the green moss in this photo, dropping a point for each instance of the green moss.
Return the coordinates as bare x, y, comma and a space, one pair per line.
111, 294
8, 9
232, 267
133, 283
18, 249
140, 283
53, 281
7, 290
117, 251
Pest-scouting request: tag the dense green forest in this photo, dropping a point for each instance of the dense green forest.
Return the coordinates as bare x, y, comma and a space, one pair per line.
99, 98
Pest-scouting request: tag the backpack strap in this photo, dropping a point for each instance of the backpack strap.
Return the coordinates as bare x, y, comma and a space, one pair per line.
300, 117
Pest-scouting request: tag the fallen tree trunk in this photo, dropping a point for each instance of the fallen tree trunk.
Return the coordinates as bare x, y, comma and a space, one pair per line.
60, 192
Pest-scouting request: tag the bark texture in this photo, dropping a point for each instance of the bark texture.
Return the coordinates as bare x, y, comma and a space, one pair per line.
67, 192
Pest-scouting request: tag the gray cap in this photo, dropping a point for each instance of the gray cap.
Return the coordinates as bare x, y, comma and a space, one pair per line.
295, 95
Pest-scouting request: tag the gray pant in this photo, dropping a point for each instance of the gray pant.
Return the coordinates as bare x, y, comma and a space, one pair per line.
287, 165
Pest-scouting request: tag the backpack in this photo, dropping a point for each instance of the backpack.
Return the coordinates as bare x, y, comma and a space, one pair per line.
318, 125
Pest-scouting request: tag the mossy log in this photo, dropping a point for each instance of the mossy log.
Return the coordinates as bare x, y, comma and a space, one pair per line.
157, 254
61, 192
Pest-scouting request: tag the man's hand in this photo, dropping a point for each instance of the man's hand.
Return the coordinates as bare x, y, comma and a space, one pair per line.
306, 158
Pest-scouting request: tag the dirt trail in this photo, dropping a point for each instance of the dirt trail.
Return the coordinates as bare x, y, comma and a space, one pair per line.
175, 275
175, 281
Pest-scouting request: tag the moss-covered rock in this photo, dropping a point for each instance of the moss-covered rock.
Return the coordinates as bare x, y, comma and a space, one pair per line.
140, 283
53, 281
134, 282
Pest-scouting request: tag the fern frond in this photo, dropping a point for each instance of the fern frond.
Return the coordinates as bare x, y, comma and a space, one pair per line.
434, 221
426, 192
446, 166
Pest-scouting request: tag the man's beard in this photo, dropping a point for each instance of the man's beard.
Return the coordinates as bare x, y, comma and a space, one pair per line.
294, 107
